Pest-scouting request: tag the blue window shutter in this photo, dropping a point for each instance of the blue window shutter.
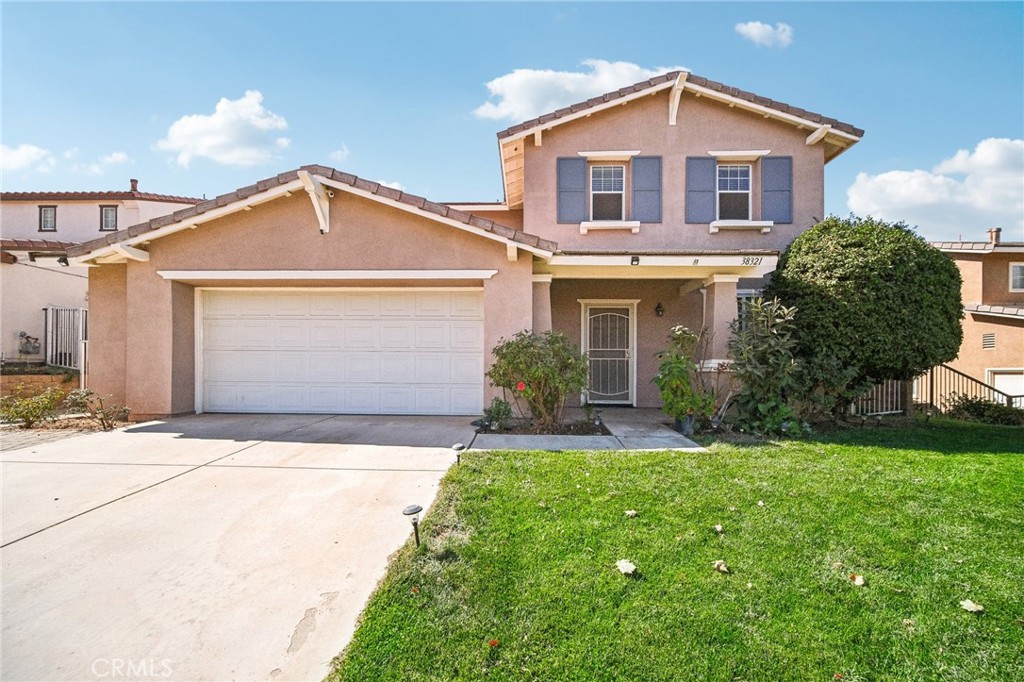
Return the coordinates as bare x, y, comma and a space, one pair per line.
647, 189
777, 188
572, 190
700, 189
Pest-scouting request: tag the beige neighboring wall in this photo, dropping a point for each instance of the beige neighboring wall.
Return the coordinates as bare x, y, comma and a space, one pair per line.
284, 235
702, 126
25, 289
77, 221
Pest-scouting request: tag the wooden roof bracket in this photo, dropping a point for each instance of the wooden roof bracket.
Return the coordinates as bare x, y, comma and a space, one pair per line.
675, 95
320, 196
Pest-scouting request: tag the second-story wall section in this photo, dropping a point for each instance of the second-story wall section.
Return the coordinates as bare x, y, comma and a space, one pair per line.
653, 167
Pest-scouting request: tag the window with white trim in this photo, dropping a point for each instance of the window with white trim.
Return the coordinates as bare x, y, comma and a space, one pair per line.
47, 218
733, 192
108, 218
743, 299
607, 192
1017, 277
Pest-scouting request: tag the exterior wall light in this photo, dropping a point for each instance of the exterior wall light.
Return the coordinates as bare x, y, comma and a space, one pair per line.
635, 260
413, 512
659, 310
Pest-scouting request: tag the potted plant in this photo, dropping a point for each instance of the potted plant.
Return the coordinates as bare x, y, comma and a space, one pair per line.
683, 396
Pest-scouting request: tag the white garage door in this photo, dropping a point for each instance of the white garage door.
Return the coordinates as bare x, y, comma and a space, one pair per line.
1010, 382
343, 352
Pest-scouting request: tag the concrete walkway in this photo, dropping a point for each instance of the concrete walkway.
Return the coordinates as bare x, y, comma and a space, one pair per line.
631, 429
214, 547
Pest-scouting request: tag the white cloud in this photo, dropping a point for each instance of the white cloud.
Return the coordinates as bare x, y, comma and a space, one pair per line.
393, 185
766, 36
526, 93
239, 132
339, 155
99, 166
961, 196
70, 153
26, 156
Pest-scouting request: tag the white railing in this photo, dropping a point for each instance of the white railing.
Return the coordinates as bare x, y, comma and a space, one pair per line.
884, 398
65, 329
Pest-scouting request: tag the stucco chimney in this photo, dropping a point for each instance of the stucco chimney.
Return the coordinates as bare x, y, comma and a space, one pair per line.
993, 235
135, 185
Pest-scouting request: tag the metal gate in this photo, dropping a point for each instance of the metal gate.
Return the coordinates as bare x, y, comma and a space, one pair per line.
64, 331
609, 346
883, 398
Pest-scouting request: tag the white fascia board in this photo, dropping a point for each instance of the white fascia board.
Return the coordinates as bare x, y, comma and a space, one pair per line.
771, 113
610, 155
193, 221
409, 208
271, 275
474, 208
696, 260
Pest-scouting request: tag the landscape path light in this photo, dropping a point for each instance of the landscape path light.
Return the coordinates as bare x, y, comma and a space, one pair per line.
459, 448
413, 512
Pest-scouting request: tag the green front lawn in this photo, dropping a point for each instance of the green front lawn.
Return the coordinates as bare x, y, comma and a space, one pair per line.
521, 547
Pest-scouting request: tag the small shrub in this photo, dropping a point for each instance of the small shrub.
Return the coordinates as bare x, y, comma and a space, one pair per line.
762, 347
539, 371
32, 409
498, 415
983, 410
87, 401
683, 394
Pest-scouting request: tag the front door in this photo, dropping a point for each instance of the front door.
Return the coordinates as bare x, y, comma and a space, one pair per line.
608, 341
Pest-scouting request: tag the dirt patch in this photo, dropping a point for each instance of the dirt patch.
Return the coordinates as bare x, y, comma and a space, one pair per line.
526, 427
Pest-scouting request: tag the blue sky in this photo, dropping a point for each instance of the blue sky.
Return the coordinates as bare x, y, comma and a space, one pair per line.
95, 93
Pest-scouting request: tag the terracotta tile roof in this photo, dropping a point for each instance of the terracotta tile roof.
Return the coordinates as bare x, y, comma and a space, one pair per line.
1010, 310
982, 247
35, 245
96, 196
374, 188
692, 79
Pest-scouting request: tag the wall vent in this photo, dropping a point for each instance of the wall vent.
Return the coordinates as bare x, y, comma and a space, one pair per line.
988, 341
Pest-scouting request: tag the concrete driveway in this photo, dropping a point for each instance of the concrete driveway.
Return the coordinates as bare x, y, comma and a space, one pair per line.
213, 547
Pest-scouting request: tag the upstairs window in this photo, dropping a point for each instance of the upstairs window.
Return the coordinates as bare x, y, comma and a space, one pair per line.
47, 218
607, 192
733, 192
108, 218
1017, 277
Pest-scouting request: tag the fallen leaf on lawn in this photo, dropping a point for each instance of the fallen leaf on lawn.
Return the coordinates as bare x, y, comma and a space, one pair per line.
718, 528
631, 513
837, 565
678, 538
415, 590
720, 566
968, 605
857, 579
750, 586
732, 508
909, 625
541, 504
760, 503
625, 566
493, 643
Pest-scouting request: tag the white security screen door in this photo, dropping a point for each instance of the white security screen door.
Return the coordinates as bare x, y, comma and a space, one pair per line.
608, 341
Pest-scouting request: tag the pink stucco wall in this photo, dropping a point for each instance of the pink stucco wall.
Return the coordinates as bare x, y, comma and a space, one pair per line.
283, 235
702, 126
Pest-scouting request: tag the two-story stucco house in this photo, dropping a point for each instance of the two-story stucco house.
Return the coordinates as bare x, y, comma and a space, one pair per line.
317, 291
36, 229
993, 296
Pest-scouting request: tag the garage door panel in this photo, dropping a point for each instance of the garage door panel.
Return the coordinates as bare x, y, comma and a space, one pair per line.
360, 335
365, 352
432, 336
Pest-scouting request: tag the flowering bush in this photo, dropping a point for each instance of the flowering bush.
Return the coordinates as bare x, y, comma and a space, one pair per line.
539, 371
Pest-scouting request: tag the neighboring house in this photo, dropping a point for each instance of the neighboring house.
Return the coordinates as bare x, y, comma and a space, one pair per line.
317, 291
36, 229
993, 296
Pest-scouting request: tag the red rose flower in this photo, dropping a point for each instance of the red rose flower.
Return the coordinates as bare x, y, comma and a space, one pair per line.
521, 386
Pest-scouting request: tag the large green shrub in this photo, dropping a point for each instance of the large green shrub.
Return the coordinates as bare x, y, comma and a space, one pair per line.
874, 301
539, 371
761, 349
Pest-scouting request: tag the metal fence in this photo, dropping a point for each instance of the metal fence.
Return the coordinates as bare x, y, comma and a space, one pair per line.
939, 385
884, 398
64, 330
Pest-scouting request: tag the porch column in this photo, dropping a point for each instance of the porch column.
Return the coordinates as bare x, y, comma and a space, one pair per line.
541, 303
721, 311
